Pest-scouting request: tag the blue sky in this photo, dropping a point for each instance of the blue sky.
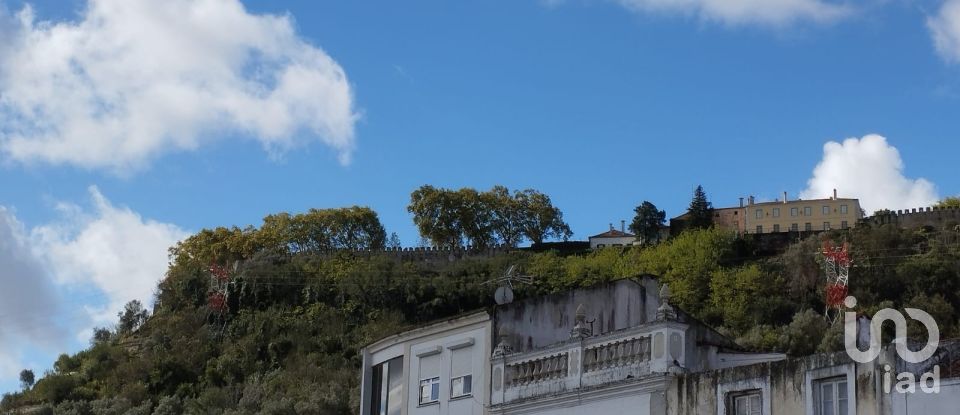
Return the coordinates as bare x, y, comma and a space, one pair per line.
600, 104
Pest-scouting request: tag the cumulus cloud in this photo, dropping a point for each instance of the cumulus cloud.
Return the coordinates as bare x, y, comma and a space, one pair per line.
62, 278
945, 29
870, 169
28, 300
131, 79
736, 12
113, 248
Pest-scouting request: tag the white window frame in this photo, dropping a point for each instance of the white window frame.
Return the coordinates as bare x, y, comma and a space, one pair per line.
759, 214
745, 397
465, 380
825, 210
725, 391
434, 385
776, 212
807, 211
843, 209
847, 371
794, 211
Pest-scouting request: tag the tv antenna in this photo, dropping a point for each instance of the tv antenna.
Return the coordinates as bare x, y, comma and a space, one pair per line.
504, 293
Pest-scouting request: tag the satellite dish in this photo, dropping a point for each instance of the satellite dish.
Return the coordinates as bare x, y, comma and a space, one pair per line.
503, 295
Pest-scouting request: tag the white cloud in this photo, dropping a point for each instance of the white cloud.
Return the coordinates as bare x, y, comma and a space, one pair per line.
113, 248
870, 169
945, 29
132, 79
28, 300
736, 12
62, 278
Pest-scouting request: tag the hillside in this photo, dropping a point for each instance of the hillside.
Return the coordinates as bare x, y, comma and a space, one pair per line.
286, 339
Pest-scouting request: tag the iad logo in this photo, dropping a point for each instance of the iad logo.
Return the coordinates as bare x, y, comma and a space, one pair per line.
930, 381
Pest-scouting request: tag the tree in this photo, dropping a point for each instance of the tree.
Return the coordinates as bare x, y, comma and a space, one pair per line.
132, 317
448, 218
540, 219
435, 212
100, 335
700, 213
507, 218
317, 230
950, 202
26, 378
393, 242
647, 222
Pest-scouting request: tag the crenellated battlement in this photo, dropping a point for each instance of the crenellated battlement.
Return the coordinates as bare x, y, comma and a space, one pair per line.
940, 218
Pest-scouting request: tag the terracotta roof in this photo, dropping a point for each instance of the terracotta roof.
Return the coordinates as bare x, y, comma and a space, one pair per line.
613, 233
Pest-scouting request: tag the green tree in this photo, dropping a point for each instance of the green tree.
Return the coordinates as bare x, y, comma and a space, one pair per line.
26, 378
507, 218
393, 242
436, 214
700, 212
950, 202
132, 317
647, 222
541, 220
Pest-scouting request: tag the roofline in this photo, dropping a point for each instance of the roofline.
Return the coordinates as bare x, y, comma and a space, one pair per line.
436, 326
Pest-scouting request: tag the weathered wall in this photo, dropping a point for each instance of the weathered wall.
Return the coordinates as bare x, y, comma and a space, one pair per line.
783, 385
538, 322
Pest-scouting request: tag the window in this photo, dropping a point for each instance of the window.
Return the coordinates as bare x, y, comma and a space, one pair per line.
386, 387
759, 214
807, 211
759, 228
830, 396
843, 209
826, 226
429, 390
776, 212
745, 403
461, 386
776, 227
808, 226
825, 210
843, 225
794, 227
429, 375
793, 211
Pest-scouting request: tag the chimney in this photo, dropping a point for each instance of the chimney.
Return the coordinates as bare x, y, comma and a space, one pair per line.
784, 197
611, 226
834, 194
750, 200
741, 202
623, 226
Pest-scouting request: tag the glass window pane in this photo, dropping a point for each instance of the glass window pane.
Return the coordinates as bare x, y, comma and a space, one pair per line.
842, 390
435, 391
467, 384
826, 396
741, 405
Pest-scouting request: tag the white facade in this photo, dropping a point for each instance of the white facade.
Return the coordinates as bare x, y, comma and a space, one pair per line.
443, 369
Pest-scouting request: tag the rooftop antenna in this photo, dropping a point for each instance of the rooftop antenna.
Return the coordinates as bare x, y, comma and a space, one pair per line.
504, 293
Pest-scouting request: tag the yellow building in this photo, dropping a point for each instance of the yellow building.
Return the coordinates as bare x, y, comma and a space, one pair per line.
801, 215
786, 215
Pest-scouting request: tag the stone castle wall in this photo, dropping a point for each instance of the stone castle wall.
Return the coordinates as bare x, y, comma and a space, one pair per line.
938, 218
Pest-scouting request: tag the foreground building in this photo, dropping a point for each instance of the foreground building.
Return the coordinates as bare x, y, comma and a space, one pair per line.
623, 348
